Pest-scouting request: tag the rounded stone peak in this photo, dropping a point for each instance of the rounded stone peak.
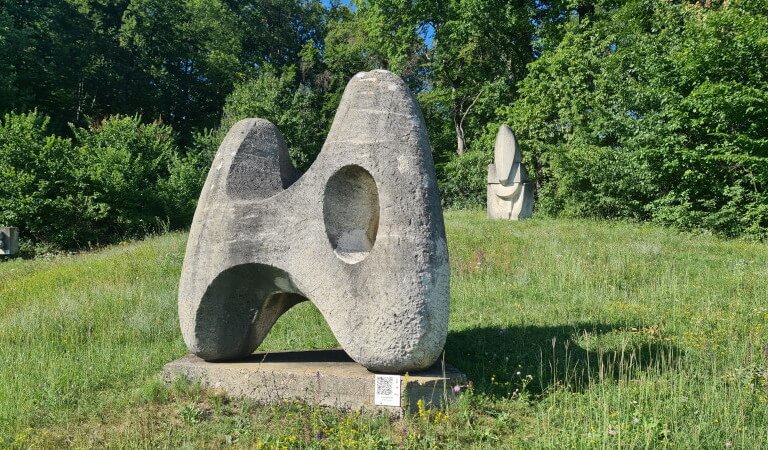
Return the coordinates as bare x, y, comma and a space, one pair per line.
378, 75
506, 153
259, 165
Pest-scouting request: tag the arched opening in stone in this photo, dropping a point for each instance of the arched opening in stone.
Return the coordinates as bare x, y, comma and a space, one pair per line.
239, 308
351, 213
301, 327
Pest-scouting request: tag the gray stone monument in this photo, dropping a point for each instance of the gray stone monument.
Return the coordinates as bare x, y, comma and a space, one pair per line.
510, 195
360, 235
9, 241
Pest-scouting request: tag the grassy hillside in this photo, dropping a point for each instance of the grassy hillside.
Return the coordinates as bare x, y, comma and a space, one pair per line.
574, 333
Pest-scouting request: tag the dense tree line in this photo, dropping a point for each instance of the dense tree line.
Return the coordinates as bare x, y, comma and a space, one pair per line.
649, 110
654, 111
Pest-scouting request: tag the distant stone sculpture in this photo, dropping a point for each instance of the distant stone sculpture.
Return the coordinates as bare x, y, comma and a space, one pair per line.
360, 234
9, 241
510, 195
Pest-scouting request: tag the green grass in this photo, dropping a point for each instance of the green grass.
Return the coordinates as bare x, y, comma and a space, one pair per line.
574, 334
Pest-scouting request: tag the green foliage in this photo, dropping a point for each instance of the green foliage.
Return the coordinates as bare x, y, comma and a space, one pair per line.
463, 180
298, 110
349, 47
180, 190
120, 178
479, 52
11, 41
40, 187
653, 111
188, 53
125, 164
176, 61
462, 58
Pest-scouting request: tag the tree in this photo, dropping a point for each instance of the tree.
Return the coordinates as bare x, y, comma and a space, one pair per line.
277, 30
12, 40
188, 53
462, 57
294, 108
56, 60
41, 189
654, 111
479, 52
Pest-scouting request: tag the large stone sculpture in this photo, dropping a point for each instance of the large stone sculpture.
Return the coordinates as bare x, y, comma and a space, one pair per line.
360, 234
510, 195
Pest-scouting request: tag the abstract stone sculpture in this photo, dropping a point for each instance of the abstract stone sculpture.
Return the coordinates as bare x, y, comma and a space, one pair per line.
510, 195
360, 234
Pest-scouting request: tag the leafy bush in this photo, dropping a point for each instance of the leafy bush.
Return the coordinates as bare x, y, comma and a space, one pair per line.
41, 183
654, 111
180, 191
462, 181
120, 178
124, 163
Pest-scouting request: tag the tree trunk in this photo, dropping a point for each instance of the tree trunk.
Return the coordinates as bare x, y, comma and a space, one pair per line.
459, 114
461, 144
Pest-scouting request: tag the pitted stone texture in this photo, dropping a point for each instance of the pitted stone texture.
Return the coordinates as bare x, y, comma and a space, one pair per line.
360, 234
510, 195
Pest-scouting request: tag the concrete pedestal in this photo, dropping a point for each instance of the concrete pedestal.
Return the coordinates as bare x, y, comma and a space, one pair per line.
319, 377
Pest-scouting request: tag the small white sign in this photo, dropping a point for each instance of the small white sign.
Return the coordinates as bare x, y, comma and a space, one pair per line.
387, 390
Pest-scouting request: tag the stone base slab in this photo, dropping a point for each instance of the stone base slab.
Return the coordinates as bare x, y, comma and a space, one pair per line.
318, 377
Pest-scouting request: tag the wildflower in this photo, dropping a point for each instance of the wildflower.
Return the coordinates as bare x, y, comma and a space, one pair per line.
319, 435
518, 373
611, 431
457, 389
728, 444
635, 420
422, 409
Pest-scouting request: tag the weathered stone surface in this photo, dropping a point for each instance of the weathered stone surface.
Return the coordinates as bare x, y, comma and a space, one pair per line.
510, 195
319, 377
9, 240
360, 234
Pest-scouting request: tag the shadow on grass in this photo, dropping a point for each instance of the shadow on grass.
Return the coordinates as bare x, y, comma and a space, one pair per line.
540, 358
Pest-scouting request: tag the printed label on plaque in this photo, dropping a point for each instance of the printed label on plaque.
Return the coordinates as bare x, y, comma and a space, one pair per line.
387, 390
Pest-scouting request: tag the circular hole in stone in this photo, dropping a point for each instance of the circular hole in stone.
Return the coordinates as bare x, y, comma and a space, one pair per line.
351, 213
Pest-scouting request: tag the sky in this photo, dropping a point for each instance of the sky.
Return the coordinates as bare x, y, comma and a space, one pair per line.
328, 2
